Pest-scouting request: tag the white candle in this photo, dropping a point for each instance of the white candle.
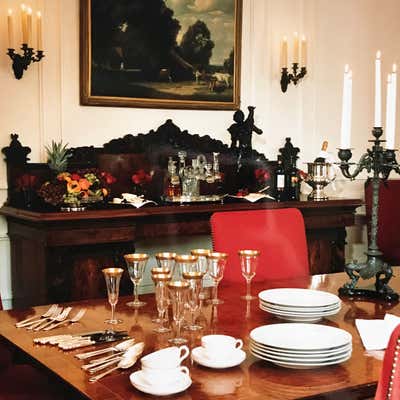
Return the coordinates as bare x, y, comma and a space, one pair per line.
378, 98
303, 51
284, 54
10, 29
23, 24
39, 31
29, 26
296, 48
392, 110
389, 139
346, 110
349, 108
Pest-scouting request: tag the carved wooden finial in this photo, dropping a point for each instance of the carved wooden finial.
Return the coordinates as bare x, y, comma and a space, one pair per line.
16, 153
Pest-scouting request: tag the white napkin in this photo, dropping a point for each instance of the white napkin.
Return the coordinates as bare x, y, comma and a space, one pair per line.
375, 333
132, 199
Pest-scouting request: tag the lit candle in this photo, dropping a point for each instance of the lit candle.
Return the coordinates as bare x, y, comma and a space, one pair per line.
346, 109
389, 139
284, 53
392, 110
39, 31
10, 29
378, 99
29, 25
303, 51
23, 24
296, 48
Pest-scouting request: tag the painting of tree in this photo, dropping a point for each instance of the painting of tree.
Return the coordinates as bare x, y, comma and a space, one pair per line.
165, 53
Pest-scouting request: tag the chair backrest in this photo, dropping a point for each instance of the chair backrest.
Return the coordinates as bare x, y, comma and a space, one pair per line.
279, 234
389, 381
389, 218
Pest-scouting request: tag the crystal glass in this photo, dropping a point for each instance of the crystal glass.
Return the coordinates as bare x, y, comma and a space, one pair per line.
184, 263
166, 260
136, 263
202, 267
193, 299
113, 278
248, 263
216, 263
177, 293
161, 281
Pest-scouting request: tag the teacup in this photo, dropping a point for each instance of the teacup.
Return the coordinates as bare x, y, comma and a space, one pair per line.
163, 376
170, 357
220, 346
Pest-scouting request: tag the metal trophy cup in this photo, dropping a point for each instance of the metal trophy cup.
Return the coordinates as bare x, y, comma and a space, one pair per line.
320, 174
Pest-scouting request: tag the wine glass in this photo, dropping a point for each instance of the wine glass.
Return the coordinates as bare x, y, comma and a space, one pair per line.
184, 263
136, 263
216, 263
202, 265
178, 292
165, 259
160, 281
248, 263
113, 278
193, 299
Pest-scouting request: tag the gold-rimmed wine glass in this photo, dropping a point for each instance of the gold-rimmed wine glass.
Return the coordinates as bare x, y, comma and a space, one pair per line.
166, 259
136, 264
112, 277
248, 263
202, 265
177, 293
194, 279
216, 263
185, 263
161, 294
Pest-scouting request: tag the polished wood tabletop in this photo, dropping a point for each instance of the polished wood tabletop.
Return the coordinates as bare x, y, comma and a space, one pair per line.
253, 379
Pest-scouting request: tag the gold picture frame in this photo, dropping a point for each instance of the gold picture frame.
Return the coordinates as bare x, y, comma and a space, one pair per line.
176, 65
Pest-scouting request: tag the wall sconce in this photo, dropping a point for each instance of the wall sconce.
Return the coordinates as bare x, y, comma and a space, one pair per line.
21, 62
296, 75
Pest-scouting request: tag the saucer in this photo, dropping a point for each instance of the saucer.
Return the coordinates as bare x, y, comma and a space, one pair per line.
139, 383
238, 356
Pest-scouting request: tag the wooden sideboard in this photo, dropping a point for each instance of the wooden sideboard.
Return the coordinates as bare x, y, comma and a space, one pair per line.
58, 256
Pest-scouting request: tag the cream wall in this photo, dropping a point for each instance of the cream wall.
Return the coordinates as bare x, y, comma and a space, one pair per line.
44, 104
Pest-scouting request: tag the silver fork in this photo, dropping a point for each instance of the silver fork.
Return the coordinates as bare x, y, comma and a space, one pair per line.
34, 324
37, 318
60, 317
75, 318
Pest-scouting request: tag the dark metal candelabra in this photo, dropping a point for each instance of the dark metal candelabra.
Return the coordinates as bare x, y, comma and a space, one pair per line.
381, 162
22, 61
286, 78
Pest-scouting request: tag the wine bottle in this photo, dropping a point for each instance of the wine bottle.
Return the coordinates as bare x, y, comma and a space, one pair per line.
292, 183
280, 181
323, 153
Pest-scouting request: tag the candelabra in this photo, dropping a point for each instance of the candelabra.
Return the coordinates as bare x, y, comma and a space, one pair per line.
21, 62
286, 77
381, 162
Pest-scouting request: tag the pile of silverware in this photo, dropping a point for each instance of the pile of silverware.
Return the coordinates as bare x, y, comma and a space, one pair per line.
54, 317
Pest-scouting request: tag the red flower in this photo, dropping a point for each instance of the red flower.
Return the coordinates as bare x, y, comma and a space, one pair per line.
141, 177
109, 179
261, 175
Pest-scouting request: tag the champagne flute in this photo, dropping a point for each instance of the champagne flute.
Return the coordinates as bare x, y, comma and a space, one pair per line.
113, 278
193, 299
156, 271
184, 263
136, 263
248, 263
161, 299
216, 265
178, 292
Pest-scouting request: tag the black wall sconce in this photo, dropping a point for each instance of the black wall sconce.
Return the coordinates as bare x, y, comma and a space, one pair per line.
298, 72
21, 61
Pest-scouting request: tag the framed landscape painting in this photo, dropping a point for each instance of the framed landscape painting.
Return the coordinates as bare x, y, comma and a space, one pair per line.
160, 53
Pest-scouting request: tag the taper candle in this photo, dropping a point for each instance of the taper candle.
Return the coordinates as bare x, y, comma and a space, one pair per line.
29, 25
284, 53
10, 29
346, 109
389, 141
24, 24
39, 31
303, 51
296, 48
390, 136
378, 95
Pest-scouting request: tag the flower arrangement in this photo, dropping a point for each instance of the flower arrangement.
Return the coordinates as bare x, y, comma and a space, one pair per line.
141, 179
86, 186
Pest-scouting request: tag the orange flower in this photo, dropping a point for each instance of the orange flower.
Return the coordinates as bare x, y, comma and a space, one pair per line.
84, 184
73, 187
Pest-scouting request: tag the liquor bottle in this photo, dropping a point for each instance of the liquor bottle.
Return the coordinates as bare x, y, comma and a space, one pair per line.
292, 183
323, 154
280, 181
173, 183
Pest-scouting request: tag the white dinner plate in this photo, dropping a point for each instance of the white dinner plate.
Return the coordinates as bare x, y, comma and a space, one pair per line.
238, 356
139, 383
300, 336
294, 297
299, 314
304, 310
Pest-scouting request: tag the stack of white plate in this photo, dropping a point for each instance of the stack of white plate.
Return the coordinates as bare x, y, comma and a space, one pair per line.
301, 346
299, 305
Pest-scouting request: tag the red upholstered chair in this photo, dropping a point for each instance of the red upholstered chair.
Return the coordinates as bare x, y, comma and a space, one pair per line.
278, 234
389, 218
389, 381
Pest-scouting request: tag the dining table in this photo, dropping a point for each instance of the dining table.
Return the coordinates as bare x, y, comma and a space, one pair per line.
253, 379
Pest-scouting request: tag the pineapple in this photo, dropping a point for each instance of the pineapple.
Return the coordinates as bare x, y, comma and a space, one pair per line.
57, 156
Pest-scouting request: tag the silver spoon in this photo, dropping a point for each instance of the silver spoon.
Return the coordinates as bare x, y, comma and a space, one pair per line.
120, 347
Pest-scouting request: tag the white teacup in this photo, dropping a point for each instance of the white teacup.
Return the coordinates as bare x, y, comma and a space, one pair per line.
163, 376
220, 346
170, 357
